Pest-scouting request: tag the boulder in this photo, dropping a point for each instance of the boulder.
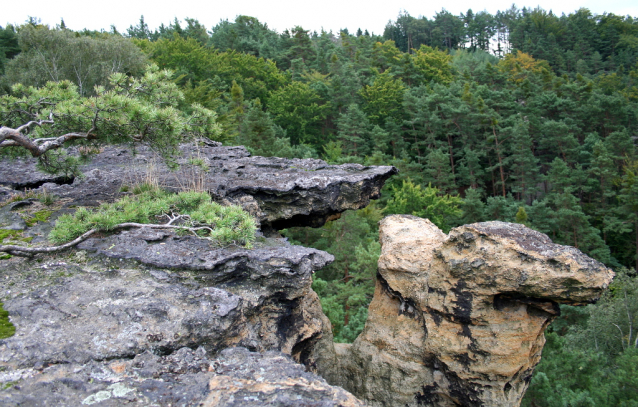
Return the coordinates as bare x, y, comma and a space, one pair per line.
459, 319
178, 292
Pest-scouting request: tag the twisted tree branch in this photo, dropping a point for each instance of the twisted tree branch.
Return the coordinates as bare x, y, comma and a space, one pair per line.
30, 251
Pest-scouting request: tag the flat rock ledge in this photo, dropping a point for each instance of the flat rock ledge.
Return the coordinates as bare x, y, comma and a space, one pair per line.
139, 317
187, 377
279, 192
459, 319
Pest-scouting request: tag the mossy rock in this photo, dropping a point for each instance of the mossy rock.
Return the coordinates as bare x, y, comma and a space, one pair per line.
6, 327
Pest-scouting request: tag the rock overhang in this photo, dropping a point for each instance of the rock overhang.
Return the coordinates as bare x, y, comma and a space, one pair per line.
279, 192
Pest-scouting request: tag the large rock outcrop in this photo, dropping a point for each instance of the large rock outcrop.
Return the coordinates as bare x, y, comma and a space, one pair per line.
459, 319
279, 192
142, 316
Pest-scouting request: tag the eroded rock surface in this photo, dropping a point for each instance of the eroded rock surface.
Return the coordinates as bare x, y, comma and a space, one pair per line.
460, 319
259, 298
279, 192
139, 316
236, 377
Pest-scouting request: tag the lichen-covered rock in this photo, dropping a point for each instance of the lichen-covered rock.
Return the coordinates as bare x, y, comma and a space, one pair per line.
459, 319
114, 321
279, 192
259, 298
186, 377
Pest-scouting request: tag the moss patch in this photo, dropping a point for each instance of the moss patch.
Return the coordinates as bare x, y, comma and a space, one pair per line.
11, 234
39, 216
6, 327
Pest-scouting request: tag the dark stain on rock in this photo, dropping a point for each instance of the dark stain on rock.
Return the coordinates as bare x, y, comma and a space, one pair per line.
463, 308
436, 316
287, 320
302, 352
462, 392
427, 397
407, 306
464, 359
465, 331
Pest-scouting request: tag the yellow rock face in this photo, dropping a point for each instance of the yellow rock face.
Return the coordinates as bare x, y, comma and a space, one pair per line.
459, 319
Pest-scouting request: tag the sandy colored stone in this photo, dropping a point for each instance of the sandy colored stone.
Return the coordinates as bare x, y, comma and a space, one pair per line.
460, 319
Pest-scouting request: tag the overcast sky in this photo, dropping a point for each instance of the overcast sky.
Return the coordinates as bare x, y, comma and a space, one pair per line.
278, 14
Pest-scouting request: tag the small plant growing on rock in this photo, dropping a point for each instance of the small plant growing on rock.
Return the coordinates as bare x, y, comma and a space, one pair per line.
188, 212
46, 198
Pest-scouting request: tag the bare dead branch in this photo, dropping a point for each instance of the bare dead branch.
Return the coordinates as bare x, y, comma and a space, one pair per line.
30, 251
18, 250
13, 138
35, 123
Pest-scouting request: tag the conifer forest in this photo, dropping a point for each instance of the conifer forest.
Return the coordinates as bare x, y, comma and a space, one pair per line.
521, 116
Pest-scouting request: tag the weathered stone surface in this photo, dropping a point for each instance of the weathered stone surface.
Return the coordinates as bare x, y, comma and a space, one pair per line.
259, 298
115, 321
237, 377
280, 192
459, 319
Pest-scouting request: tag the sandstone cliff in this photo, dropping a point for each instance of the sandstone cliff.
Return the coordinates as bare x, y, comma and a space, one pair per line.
459, 319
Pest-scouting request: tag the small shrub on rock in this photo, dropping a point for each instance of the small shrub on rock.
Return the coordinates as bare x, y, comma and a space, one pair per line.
191, 212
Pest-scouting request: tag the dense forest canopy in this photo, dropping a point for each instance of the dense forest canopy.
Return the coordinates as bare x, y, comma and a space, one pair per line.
522, 116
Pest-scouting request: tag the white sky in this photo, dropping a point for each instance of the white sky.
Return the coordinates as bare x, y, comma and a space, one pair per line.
278, 14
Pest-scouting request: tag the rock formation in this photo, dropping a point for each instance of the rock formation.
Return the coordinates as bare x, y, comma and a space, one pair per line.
279, 192
156, 318
140, 316
459, 319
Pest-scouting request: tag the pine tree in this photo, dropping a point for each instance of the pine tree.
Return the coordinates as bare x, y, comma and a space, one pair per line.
523, 165
473, 206
438, 170
354, 131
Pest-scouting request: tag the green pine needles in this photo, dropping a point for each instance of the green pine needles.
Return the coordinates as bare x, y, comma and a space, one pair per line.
190, 211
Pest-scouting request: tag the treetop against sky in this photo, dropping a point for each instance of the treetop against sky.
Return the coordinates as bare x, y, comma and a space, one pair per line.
279, 15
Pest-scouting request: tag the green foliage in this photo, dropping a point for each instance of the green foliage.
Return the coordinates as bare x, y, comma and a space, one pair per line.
132, 110
263, 137
9, 46
345, 287
246, 35
410, 198
592, 360
199, 64
383, 98
433, 65
299, 109
225, 224
59, 54
7, 329
521, 216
